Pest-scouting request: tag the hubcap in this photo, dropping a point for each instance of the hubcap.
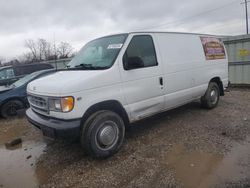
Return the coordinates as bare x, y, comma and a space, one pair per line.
107, 135
214, 96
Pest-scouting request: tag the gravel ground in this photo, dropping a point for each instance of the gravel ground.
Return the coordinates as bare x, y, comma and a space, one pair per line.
185, 147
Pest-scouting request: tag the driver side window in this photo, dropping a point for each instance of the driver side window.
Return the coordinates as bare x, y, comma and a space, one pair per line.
140, 53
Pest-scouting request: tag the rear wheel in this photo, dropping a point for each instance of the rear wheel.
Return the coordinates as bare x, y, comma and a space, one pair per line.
10, 108
211, 98
103, 134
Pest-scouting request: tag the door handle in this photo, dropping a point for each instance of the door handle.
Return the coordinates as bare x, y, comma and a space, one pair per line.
161, 81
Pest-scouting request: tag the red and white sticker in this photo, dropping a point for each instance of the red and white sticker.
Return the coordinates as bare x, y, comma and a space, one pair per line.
213, 48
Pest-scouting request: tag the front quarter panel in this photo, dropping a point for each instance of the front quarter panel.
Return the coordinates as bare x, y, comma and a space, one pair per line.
86, 98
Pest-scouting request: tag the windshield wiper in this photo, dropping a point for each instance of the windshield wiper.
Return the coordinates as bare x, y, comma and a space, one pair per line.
85, 66
89, 67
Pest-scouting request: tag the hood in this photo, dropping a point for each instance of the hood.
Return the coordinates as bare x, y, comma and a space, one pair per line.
5, 88
72, 81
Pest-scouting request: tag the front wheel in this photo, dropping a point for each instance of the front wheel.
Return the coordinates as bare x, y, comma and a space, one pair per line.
211, 98
10, 108
103, 134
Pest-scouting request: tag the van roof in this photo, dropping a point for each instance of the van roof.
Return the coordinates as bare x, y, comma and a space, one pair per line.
167, 32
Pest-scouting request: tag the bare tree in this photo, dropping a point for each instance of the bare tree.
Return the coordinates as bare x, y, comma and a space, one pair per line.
45, 49
26, 57
48, 50
41, 50
31, 45
64, 50
41, 45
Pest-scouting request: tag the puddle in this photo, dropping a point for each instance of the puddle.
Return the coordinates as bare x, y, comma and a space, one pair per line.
16, 169
18, 162
197, 169
192, 168
235, 166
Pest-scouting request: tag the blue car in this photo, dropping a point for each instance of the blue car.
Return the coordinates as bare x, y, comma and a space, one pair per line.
14, 97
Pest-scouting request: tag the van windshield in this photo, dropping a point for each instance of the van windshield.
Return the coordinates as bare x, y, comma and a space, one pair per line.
98, 54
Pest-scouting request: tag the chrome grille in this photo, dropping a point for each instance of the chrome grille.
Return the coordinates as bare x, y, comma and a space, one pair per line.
38, 103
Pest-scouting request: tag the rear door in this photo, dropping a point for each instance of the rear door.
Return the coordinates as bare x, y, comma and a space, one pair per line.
142, 85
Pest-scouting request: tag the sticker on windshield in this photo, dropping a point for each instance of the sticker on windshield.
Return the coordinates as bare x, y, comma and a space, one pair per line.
115, 46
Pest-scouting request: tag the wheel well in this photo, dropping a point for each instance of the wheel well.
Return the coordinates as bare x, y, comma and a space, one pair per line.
220, 84
14, 98
111, 105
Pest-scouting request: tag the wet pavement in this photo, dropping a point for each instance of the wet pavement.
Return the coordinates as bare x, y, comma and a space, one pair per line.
199, 169
18, 162
16, 169
186, 147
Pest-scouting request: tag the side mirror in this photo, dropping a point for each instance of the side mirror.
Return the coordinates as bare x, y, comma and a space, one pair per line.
133, 63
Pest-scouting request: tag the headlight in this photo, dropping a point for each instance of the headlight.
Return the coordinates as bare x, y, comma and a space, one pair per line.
64, 104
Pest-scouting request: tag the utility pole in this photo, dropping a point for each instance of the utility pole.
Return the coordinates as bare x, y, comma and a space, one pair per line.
246, 6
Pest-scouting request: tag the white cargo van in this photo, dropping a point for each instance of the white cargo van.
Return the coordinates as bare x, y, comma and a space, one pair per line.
119, 79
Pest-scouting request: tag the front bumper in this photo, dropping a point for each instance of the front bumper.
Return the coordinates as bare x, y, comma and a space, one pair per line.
55, 128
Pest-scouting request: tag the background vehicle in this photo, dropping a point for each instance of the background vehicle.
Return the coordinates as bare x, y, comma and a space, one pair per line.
14, 97
10, 74
120, 79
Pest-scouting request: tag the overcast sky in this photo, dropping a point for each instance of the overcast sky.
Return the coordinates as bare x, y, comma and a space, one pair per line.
78, 21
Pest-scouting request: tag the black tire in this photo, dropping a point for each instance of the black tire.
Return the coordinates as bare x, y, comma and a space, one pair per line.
212, 96
10, 108
103, 134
